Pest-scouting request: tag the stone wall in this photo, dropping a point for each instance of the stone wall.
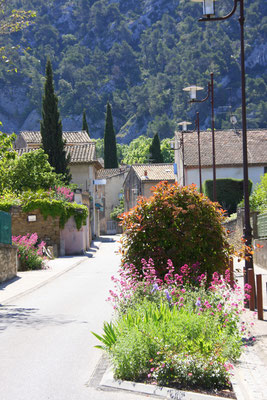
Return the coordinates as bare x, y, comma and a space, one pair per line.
47, 230
260, 255
8, 261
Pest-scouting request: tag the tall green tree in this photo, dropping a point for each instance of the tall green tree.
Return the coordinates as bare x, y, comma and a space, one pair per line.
110, 148
85, 125
51, 128
155, 155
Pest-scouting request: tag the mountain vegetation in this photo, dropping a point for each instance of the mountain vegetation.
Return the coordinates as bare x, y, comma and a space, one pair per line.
139, 55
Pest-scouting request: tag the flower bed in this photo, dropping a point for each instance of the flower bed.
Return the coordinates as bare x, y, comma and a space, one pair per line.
177, 331
30, 251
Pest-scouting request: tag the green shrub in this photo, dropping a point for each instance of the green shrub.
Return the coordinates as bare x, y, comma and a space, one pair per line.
258, 199
172, 344
117, 210
30, 251
176, 223
229, 192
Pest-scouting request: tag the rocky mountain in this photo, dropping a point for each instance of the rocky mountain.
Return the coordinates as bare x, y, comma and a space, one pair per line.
139, 55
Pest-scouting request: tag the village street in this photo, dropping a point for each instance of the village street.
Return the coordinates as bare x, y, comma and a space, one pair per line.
46, 344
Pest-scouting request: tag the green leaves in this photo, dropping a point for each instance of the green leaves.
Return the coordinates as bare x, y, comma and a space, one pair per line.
108, 338
176, 223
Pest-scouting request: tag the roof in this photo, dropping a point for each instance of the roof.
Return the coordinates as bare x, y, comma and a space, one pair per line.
228, 148
154, 172
108, 173
79, 154
34, 137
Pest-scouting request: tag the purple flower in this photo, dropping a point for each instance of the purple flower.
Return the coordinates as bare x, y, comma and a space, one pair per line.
198, 302
155, 287
167, 294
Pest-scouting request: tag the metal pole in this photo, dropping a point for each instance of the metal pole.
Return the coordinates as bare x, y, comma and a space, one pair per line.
213, 137
183, 157
259, 297
247, 232
199, 155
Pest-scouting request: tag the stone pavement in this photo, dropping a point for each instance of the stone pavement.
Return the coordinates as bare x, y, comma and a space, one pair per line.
250, 374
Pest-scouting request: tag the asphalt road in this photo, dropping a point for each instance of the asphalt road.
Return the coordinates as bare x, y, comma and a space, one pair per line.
46, 348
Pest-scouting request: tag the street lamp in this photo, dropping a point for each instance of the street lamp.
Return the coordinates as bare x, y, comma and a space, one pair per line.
208, 6
199, 156
184, 129
247, 235
193, 91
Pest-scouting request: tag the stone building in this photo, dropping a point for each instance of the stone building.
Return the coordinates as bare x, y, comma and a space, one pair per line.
141, 178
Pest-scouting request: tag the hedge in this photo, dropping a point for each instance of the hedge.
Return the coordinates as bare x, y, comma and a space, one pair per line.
229, 192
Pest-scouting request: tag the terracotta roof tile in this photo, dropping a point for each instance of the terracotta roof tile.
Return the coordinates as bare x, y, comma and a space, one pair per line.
154, 172
108, 173
79, 153
228, 147
34, 137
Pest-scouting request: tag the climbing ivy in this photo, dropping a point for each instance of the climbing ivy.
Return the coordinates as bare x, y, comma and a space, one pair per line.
54, 208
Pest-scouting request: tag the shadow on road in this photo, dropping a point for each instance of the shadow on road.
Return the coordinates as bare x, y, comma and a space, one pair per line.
21, 317
3, 285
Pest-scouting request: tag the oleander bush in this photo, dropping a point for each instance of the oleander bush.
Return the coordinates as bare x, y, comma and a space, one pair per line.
176, 223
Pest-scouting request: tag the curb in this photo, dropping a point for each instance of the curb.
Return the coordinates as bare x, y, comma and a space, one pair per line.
108, 381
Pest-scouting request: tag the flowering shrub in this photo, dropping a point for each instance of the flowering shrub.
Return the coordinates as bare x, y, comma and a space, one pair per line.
176, 329
61, 193
176, 223
30, 252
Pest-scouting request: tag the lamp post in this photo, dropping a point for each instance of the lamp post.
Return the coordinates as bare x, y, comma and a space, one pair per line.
199, 156
184, 129
209, 15
193, 96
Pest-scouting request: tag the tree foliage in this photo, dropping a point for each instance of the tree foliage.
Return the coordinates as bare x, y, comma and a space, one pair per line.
155, 155
30, 171
110, 150
258, 199
7, 153
85, 125
104, 50
51, 128
12, 20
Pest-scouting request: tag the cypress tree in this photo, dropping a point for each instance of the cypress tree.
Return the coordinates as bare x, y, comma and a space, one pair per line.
85, 125
155, 155
110, 148
51, 128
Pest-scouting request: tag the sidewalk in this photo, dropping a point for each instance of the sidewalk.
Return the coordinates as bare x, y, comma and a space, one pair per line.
250, 379
27, 281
